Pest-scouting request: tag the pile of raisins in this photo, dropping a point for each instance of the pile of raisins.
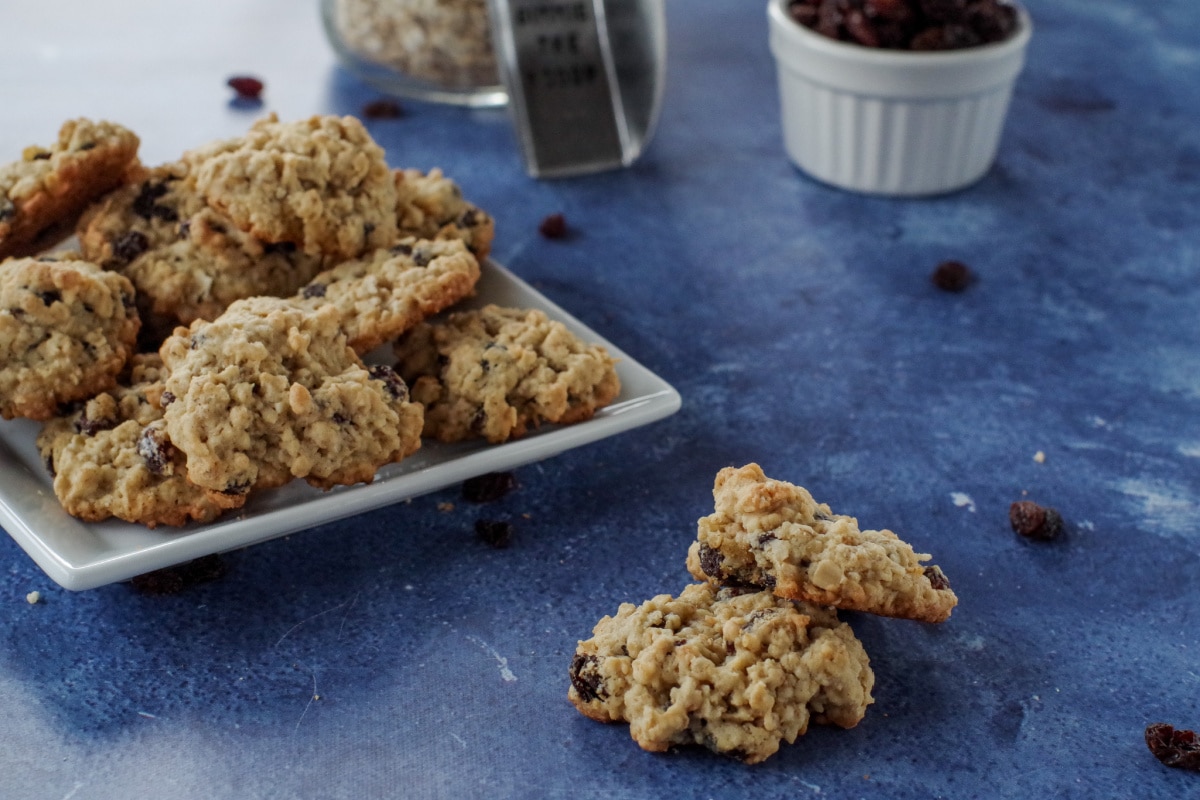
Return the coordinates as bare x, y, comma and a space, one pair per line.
908, 24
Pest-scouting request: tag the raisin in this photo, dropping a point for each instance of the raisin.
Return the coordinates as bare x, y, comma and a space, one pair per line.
469, 218
247, 87
282, 248
87, 146
145, 204
586, 677
766, 537
908, 24
1035, 522
7, 209
41, 155
382, 109
394, 384
488, 488
314, 290
495, 533
1174, 747
402, 250
235, 488
155, 449
421, 257
51, 297
173, 580
90, 427
130, 245
341, 419
952, 276
166, 398
710, 561
937, 578
553, 226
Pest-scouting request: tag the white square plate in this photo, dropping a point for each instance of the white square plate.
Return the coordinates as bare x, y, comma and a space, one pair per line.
84, 555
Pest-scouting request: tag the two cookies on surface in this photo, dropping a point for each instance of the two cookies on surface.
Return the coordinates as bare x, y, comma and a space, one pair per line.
747, 658
289, 253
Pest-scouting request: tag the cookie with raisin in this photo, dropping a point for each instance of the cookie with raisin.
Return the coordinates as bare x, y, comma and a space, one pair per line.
67, 328
49, 186
186, 260
431, 206
112, 457
269, 391
387, 292
770, 534
736, 672
320, 183
496, 372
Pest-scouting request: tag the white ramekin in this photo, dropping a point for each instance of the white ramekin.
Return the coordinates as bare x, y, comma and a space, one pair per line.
892, 122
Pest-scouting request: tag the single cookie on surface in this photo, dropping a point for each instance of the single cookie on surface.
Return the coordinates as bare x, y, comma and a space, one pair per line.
772, 535
320, 183
49, 186
431, 206
185, 259
387, 292
113, 458
270, 391
67, 328
495, 372
735, 672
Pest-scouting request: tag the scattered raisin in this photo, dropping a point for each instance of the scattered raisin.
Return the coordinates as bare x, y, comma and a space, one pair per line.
130, 245
586, 677
382, 109
952, 276
553, 227
496, 533
173, 580
1173, 746
1035, 522
247, 87
937, 578
488, 488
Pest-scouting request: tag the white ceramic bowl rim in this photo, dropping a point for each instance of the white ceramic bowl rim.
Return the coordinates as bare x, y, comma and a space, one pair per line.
920, 75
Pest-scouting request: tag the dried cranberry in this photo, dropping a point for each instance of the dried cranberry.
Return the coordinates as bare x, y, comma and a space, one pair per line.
1033, 521
173, 580
553, 226
382, 109
1174, 747
952, 276
496, 533
488, 488
247, 87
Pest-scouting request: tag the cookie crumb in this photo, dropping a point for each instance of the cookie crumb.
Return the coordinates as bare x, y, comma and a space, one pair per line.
246, 86
495, 533
1034, 521
1039, 457
1174, 747
33, 598
489, 487
553, 226
952, 276
445, 507
383, 109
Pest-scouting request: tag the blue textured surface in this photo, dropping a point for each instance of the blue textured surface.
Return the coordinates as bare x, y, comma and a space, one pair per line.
393, 654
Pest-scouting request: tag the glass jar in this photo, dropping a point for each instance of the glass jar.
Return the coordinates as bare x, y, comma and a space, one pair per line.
436, 50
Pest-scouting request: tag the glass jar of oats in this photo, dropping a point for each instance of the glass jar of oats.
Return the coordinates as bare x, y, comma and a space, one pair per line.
437, 50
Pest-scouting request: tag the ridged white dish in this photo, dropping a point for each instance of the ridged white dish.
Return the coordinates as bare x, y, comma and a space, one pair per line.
892, 122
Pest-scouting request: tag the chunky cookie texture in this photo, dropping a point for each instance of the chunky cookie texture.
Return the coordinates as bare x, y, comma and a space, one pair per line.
496, 372
431, 206
66, 330
113, 458
771, 534
738, 673
270, 391
387, 292
49, 186
321, 184
186, 260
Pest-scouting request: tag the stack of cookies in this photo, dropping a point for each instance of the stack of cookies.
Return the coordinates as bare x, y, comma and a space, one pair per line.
745, 659
207, 339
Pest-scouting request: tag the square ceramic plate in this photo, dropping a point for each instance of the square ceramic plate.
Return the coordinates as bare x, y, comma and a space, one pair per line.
82, 555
